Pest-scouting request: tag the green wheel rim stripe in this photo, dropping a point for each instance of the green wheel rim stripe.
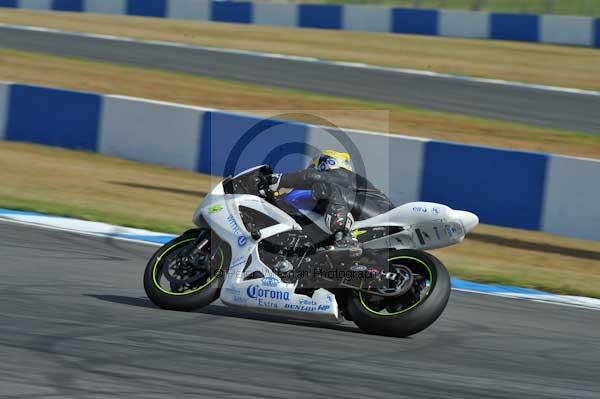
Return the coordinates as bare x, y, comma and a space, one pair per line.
362, 301
210, 280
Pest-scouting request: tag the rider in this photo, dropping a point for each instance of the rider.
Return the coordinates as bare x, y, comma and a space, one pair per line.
342, 195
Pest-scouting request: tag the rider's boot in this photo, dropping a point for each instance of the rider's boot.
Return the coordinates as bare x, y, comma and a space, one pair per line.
339, 219
345, 241
345, 248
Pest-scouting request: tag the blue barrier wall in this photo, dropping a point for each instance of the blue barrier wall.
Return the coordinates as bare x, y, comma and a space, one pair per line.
326, 16
53, 117
231, 143
228, 11
509, 188
147, 8
415, 21
502, 187
520, 27
68, 5
9, 3
582, 31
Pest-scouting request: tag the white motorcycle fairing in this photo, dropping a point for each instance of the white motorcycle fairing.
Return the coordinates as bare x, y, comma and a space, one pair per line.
425, 225
422, 225
268, 294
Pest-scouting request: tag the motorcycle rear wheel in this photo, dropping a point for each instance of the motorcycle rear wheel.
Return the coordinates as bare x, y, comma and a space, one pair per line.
192, 293
409, 313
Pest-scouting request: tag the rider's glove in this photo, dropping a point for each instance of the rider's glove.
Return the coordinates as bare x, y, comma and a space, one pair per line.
273, 181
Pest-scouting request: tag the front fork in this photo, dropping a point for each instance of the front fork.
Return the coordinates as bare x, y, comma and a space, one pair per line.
193, 255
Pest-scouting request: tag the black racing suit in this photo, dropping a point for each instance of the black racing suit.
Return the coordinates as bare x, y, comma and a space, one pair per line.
342, 196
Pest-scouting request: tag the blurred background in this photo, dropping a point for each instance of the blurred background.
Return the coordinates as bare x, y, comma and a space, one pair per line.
125, 112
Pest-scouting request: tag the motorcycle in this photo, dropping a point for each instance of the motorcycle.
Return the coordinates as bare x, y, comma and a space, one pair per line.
264, 252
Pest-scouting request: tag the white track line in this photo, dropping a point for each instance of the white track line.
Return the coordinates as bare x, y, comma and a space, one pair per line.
79, 232
358, 65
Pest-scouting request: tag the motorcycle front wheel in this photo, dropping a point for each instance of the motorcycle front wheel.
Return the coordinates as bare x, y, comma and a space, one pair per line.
173, 280
415, 308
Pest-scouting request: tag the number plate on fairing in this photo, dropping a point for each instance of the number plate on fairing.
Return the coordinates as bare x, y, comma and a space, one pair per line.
436, 234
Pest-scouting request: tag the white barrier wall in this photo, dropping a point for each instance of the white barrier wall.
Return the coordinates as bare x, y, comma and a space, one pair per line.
198, 10
36, 4
470, 24
117, 7
561, 29
150, 131
275, 14
520, 189
367, 18
572, 197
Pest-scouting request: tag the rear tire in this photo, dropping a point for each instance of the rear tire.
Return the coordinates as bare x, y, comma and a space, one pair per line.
415, 317
202, 294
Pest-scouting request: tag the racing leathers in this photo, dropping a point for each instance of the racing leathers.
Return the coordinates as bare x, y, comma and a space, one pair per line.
342, 197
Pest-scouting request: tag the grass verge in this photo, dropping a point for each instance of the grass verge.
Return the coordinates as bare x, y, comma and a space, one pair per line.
528, 62
104, 77
100, 188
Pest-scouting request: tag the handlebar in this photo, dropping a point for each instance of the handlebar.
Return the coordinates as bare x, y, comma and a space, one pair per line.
255, 181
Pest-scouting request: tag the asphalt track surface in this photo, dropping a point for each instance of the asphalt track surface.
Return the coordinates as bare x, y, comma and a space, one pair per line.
534, 106
75, 322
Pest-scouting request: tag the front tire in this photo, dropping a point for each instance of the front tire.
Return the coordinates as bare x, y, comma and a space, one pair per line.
193, 294
405, 315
